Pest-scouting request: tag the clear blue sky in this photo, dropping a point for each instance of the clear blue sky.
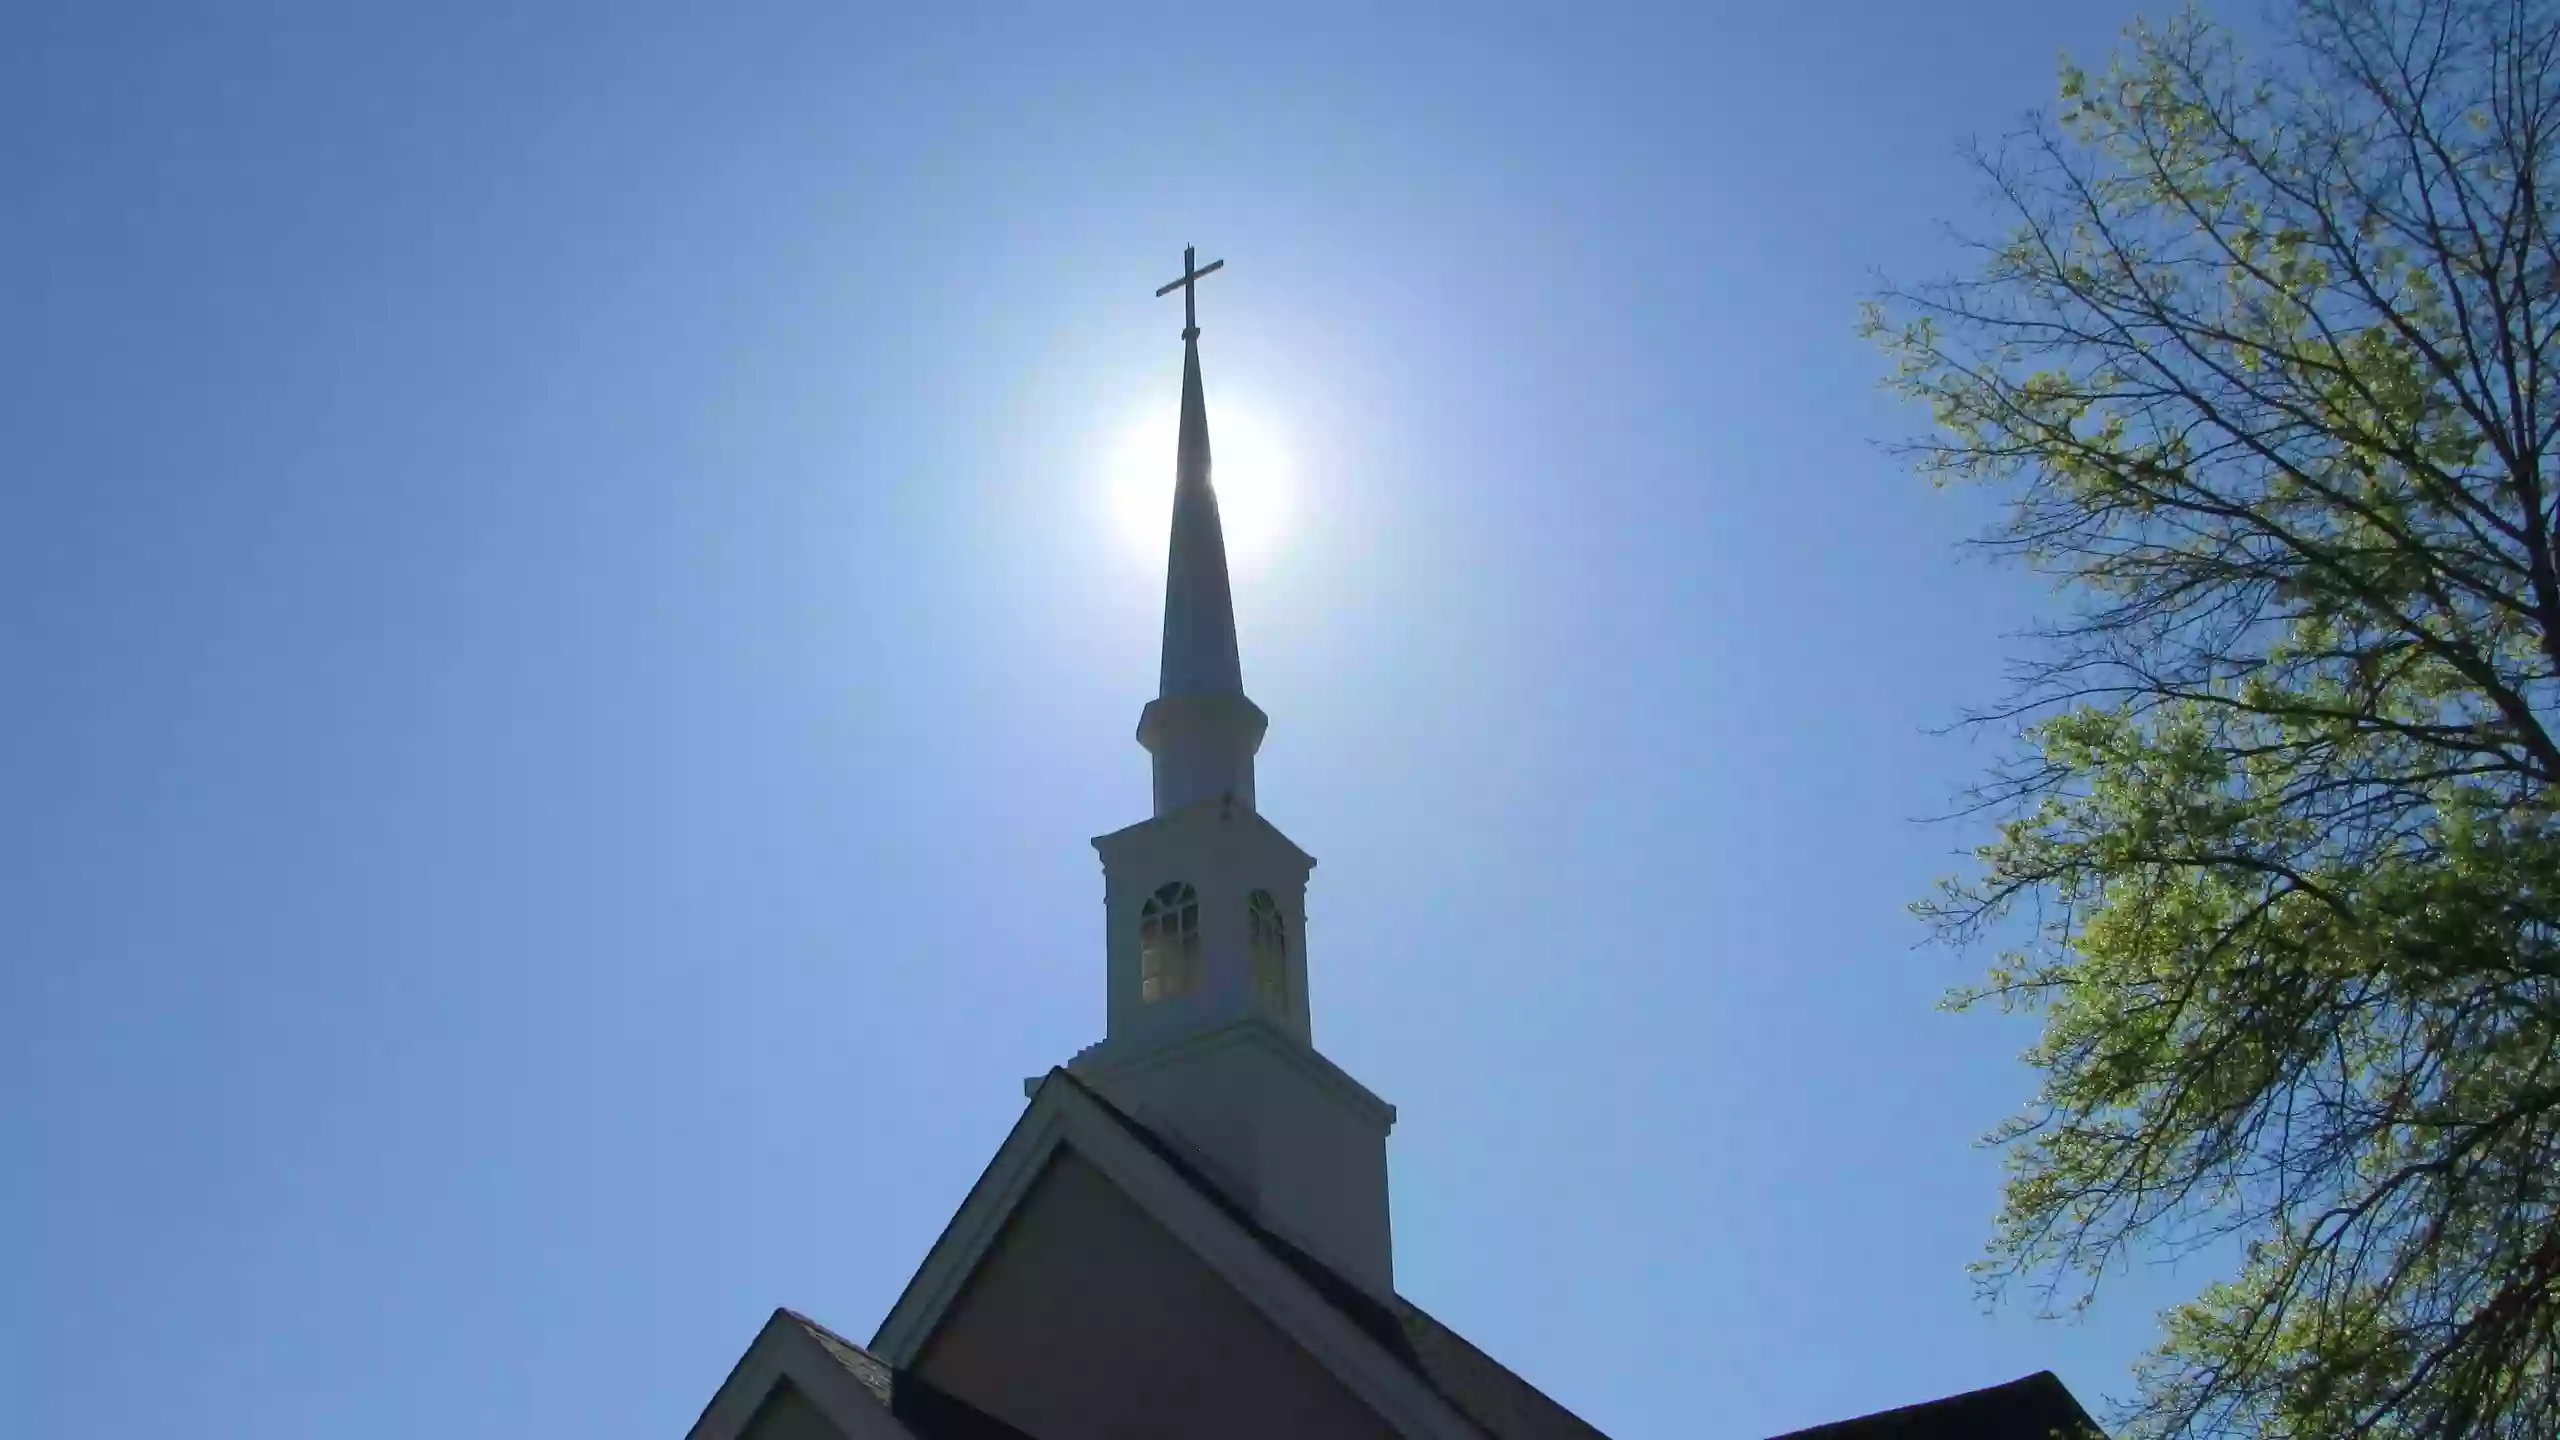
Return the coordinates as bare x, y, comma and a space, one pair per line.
566, 640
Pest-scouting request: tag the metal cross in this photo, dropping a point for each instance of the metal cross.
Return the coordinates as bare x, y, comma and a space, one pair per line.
1190, 277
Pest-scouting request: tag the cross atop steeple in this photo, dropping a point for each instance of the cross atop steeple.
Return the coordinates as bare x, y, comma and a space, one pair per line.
1190, 278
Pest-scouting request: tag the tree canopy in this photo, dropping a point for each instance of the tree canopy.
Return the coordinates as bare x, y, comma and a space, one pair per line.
2264, 372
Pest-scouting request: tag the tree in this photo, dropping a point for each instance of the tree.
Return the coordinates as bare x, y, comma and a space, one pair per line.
2267, 373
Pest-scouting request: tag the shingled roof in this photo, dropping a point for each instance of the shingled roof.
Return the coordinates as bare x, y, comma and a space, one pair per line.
2035, 1408
929, 1412
1504, 1405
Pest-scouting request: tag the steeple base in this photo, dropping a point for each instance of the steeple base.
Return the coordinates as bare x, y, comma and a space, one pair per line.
1282, 1130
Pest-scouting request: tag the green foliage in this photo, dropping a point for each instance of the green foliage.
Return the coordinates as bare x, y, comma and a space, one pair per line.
2265, 371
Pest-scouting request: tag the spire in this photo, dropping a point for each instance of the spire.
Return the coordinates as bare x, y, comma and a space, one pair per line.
1201, 729
1199, 604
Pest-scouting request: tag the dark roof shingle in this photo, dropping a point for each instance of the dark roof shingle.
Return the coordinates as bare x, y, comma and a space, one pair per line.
931, 1413
2038, 1407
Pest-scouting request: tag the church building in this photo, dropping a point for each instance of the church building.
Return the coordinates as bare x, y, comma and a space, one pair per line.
1186, 1234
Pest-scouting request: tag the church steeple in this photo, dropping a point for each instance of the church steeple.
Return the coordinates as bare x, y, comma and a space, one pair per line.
1211, 1039
1201, 729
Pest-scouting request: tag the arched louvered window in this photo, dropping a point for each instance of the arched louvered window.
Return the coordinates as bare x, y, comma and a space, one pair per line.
1268, 942
1168, 942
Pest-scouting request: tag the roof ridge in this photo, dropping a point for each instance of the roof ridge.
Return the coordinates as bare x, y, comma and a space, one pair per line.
876, 1374
2039, 1399
819, 1329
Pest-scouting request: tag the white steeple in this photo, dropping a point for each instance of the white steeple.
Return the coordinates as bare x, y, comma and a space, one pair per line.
1201, 729
1210, 1039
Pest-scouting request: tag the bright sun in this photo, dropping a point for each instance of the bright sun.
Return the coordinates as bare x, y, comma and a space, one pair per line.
1248, 467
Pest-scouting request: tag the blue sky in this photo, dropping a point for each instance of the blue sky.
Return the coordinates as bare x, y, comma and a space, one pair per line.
569, 635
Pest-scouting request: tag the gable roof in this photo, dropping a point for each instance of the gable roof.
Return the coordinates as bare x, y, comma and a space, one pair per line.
2037, 1407
1444, 1375
1346, 1332
861, 1396
1499, 1402
929, 1412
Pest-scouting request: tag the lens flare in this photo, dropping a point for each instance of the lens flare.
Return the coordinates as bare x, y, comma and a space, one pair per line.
1249, 468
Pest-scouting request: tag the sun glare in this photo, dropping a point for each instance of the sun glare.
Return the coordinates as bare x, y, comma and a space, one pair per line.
1248, 467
